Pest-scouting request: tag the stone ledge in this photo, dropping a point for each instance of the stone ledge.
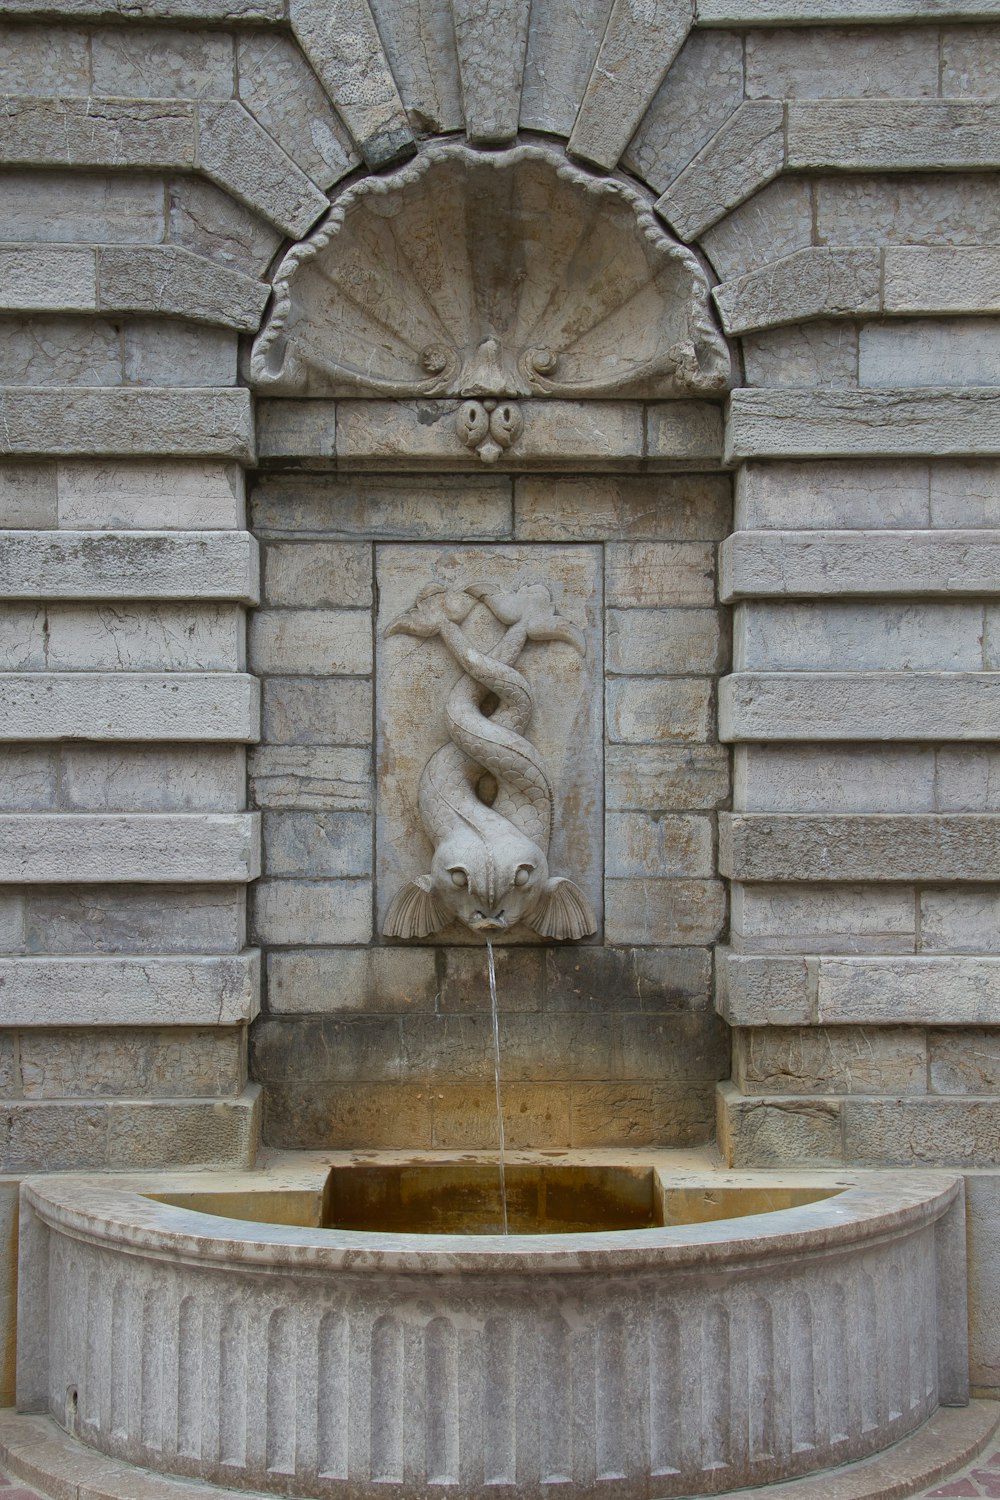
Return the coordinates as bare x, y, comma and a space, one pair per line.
129, 565
130, 990
756, 989
840, 12
821, 564
810, 424
860, 846
39, 848
78, 1134
872, 706
74, 421
189, 706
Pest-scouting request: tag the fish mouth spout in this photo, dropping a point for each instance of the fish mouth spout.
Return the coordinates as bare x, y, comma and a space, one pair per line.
489, 924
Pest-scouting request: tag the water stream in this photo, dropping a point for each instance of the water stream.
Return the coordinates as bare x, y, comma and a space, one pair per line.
496, 1075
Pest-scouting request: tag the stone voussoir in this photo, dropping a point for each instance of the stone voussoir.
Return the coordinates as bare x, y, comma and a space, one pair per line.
168, 280
745, 154
817, 282
818, 564
242, 158
876, 706
130, 990
42, 848
192, 706
860, 846
129, 565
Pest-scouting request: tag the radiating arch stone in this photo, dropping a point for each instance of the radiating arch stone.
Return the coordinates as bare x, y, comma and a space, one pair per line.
507, 273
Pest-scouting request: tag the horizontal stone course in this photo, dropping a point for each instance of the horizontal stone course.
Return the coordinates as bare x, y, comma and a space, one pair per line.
859, 706
849, 424
841, 12
128, 565
858, 563
41, 848
129, 990
863, 846
84, 421
893, 134
644, 910
129, 706
831, 1060
862, 636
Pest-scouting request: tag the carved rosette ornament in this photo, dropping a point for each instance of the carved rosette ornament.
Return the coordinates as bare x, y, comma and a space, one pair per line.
490, 277
485, 798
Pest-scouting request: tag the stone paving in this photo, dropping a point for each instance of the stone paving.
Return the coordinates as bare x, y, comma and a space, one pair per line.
981, 1478
11, 1490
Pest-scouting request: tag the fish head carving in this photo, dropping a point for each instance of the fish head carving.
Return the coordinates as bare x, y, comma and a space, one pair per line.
488, 886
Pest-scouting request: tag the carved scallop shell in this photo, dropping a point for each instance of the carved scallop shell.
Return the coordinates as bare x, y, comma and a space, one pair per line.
501, 273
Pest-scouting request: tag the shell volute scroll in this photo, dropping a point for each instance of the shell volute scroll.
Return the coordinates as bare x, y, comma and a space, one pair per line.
485, 798
491, 275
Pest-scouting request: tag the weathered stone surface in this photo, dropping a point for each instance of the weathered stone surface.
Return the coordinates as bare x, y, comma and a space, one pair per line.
659, 575
491, 43
120, 638
318, 574
311, 642
165, 279
289, 776
321, 912
11, 922
297, 429
298, 711
415, 676
946, 208
837, 778
343, 45
856, 706
893, 135
820, 353
156, 1133
911, 1132
795, 846
779, 1132
824, 1060
442, 508
845, 424
816, 62
197, 11
859, 637
683, 434
650, 778
167, 494
40, 848
126, 706
178, 354
204, 219
523, 976
419, 41
284, 95
147, 62
926, 352
968, 779
172, 423
984, 1266
188, 778
811, 283
779, 565
648, 710
776, 221
45, 60
562, 43
130, 990
97, 133
29, 778
65, 352
155, 1063
657, 641
317, 846
242, 158
963, 1062
602, 979
636, 50
647, 845
745, 154
346, 979
642, 911
681, 507
968, 61
28, 495
920, 990
965, 495
960, 921
703, 87
756, 991
874, 493
81, 206
128, 565
132, 919
945, 278
817, 919
63, 279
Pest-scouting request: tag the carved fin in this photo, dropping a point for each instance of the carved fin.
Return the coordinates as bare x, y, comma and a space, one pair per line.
559, 630
414, 912
563, 913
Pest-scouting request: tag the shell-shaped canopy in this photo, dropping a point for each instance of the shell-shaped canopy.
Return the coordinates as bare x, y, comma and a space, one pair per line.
490, 273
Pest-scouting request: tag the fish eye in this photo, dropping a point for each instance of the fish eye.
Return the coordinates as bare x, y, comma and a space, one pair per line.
459, 877
523, 874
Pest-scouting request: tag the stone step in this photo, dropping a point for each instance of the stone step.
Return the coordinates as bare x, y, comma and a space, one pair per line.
37, 1452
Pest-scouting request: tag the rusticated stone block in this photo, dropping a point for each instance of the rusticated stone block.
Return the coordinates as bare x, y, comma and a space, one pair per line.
92, 132
28, 778
865, 846
128, 565
859, 706
964, 1062
130, 990
58, 278
562, 43
822, 636
80, 206
929, 352
167, 279
130, 919
922, 1132
243, 159
845, 424
642, 911
129, 706
28, 495
334, 1049
756, 991
819, 353
871, 493
119, 638
964, 990
824, 919
803, 63
845, 563
957, 920
942, 278
683, 434
153, 1063
163, 495
140, 778
156, 1133
42, 848
839, 778
824, 1060
174, 423
893, 135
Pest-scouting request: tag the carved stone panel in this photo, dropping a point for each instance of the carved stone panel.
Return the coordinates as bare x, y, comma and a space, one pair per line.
528, 621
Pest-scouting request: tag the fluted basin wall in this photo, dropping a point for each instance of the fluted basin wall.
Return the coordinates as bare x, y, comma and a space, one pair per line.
333, 1363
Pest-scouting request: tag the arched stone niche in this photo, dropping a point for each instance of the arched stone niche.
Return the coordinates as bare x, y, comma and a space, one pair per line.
496, 274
